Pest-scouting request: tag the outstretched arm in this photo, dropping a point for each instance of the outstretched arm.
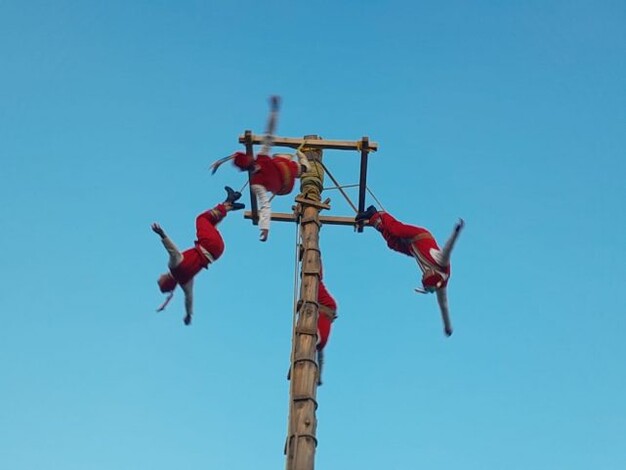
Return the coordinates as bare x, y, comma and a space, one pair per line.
175, 254
268, 138
188, 290
442, 299
447, 249
156, 228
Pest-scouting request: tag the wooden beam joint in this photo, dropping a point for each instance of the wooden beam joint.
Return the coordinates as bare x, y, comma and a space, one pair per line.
319, 205
296, 142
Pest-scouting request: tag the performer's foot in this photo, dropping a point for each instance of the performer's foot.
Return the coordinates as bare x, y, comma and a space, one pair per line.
366, 215
264, 234
187, 319
231, 194
235, 206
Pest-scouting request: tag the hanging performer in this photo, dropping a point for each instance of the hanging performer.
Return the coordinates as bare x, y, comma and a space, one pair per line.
420, 244
276, 174
209, 246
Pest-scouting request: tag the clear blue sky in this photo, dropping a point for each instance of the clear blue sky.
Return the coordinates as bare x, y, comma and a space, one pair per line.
509, 114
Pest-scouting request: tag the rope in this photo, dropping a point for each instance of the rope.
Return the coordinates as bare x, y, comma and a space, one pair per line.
375, 199
338, 187
244, 186
293, 333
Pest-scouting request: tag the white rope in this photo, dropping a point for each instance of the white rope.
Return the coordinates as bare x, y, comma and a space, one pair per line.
375, 199
343, 193
244, 186
296, 286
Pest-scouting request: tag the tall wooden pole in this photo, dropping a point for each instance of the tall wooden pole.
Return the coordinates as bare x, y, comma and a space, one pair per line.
301, 439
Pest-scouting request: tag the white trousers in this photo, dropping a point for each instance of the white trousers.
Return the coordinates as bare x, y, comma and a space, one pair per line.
263, 206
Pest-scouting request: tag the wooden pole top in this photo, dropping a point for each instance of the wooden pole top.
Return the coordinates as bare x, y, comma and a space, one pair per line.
294, 142
324, 219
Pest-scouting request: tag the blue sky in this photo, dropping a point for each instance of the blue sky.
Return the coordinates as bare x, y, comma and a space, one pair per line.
510, 115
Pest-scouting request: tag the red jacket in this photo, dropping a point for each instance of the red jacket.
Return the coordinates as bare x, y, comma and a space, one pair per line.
277, 174
326, 315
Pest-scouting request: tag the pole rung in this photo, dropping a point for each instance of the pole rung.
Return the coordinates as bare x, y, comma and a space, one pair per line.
319, 205
306, 331
298, 436
309, 220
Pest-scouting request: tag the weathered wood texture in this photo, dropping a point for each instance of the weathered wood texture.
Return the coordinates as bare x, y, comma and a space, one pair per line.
295, 142
324, 219
301, 439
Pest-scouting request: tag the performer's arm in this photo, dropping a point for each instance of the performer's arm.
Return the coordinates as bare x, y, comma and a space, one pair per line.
303, 161
175, 255
188, 290
442, 299
447, 249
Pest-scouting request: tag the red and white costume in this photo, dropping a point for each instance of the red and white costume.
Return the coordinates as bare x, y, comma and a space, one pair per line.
183, 266
420, 244
276, 174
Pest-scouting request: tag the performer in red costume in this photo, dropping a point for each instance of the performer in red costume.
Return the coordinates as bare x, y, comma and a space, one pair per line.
208, 247
276, 174
420, 244
327, 313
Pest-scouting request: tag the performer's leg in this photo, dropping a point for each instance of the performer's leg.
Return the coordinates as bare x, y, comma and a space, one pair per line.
264, 208
385, 223
207, 234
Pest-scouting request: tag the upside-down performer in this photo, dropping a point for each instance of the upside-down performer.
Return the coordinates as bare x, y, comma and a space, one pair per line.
276, 174
208, 247
419, 243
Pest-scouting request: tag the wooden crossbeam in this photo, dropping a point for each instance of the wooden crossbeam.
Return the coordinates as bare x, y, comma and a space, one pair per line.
295, 142
324, 219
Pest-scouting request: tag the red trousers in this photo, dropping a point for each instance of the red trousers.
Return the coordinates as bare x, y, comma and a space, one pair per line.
324, 321
208, 239
405, 238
